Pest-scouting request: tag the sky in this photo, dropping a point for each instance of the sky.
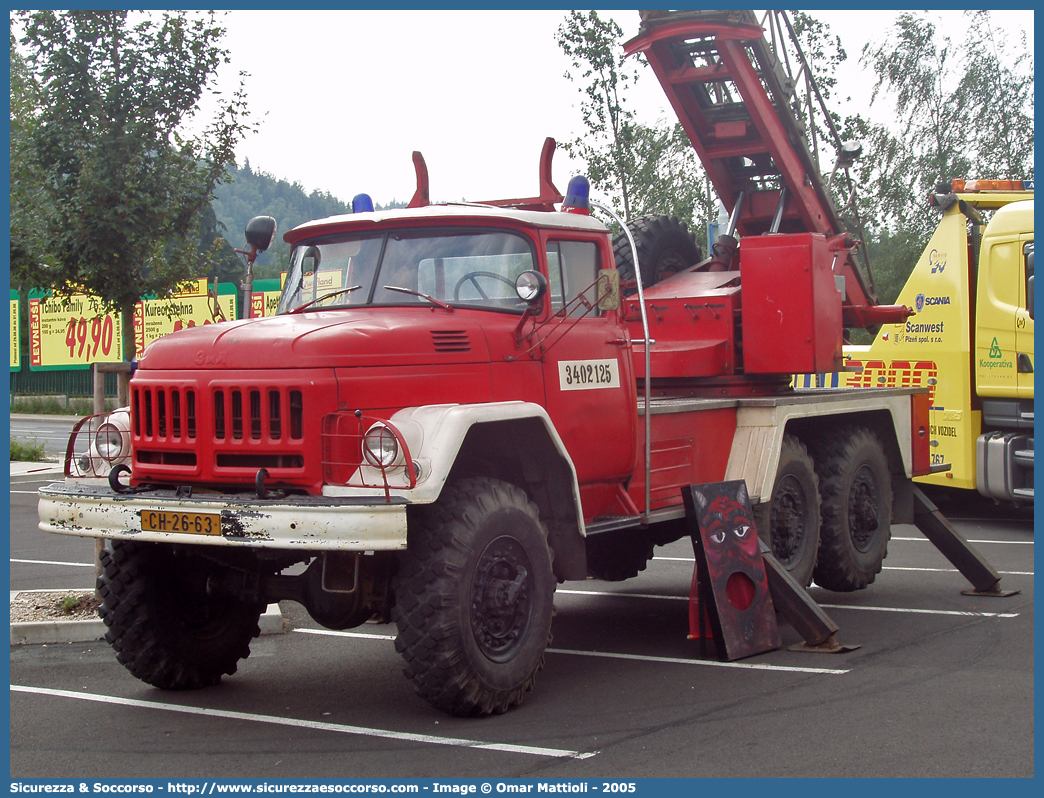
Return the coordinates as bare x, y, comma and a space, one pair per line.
342, 98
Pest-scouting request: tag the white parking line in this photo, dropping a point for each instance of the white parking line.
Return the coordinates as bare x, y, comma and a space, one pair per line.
612, 655
456, 742
834, 606
1013, 542
950, 570
923, 612
883, 568
683, 661
53, 562
332, 633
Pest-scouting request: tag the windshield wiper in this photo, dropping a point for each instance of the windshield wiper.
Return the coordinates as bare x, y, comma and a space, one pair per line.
431, 299
332, 294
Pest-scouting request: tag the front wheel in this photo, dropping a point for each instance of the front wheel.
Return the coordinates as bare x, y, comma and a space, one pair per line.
474, 597
856, 487
164, 625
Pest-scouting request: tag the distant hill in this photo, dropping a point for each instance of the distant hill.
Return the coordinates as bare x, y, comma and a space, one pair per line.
255, 193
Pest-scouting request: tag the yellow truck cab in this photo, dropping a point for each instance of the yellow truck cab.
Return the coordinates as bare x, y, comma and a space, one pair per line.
971, 340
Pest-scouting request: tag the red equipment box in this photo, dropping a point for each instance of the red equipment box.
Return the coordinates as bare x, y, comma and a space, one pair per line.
791, 305
692, 320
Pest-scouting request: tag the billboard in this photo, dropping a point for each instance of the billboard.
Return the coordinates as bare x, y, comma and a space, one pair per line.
154, 318
71, 332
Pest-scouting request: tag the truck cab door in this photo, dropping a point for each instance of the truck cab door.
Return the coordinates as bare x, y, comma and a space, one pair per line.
588, 373
1024, 324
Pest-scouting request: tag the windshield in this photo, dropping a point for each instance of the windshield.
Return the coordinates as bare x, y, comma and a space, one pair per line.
472, 269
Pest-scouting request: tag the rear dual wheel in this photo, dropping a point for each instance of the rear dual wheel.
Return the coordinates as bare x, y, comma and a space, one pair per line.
793, 513
856, 488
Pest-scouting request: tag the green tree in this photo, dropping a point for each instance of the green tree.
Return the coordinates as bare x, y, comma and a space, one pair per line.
918, 71
998, 77
593, 46
250, 192
962, 109
642, 169
29, 200
126, 173
668, 178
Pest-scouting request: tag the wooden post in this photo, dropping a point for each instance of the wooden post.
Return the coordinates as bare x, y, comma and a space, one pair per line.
123, 390
122, 400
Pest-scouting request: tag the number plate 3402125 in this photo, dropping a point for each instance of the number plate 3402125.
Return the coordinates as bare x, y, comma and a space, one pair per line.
186, 523
581, 375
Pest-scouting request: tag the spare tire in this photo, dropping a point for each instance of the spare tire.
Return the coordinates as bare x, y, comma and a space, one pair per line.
665, 247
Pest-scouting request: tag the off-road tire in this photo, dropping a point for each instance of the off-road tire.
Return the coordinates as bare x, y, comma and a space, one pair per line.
164, 628
614, 557
472, 626
856, 489
792, 515
665, 247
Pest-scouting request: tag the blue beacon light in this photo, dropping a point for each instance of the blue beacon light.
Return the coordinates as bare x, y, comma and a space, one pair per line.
361, 203
578, 196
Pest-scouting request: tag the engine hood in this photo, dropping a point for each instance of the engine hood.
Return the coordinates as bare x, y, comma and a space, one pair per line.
343, 338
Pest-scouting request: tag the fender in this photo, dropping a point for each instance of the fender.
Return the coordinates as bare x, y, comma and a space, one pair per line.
762, 423
435, 435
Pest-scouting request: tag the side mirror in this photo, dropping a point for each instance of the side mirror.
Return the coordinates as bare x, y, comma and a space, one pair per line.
530, 286
260, 232
608, 289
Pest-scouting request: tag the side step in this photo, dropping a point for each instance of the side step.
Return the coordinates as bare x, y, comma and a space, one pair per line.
984, 578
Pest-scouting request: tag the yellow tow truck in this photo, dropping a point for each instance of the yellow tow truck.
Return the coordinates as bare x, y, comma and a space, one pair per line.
970, 342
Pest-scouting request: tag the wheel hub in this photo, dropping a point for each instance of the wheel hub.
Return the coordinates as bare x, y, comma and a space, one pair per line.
502, 601
862, 509
788, 520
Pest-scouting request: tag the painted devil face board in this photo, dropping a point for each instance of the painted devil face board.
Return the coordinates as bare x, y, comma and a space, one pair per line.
729, 562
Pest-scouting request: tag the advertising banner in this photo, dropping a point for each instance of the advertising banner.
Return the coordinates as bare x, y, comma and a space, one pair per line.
16, 341
265, 297
71, 332
154, 318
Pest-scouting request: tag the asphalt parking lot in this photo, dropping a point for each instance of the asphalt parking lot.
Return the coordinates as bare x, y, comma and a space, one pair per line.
941, 686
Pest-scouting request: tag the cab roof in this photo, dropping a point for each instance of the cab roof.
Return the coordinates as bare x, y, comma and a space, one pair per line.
1012, 219
452, 213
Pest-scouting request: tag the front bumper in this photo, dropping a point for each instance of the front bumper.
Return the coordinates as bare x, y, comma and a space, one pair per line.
367, 523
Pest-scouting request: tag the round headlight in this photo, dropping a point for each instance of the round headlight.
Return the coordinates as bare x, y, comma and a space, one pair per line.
379, 446
109, 442
530, 286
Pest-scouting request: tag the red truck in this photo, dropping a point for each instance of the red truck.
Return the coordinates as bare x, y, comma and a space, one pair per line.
459, 406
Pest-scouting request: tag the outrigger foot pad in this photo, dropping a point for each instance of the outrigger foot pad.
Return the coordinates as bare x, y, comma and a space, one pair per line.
992, 592
828, 646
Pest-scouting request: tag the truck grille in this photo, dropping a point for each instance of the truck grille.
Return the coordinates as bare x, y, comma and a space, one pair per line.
223, 432
165, 413
257, 414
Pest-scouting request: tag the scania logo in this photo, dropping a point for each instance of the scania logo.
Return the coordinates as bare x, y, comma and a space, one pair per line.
921, 300
204, 359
